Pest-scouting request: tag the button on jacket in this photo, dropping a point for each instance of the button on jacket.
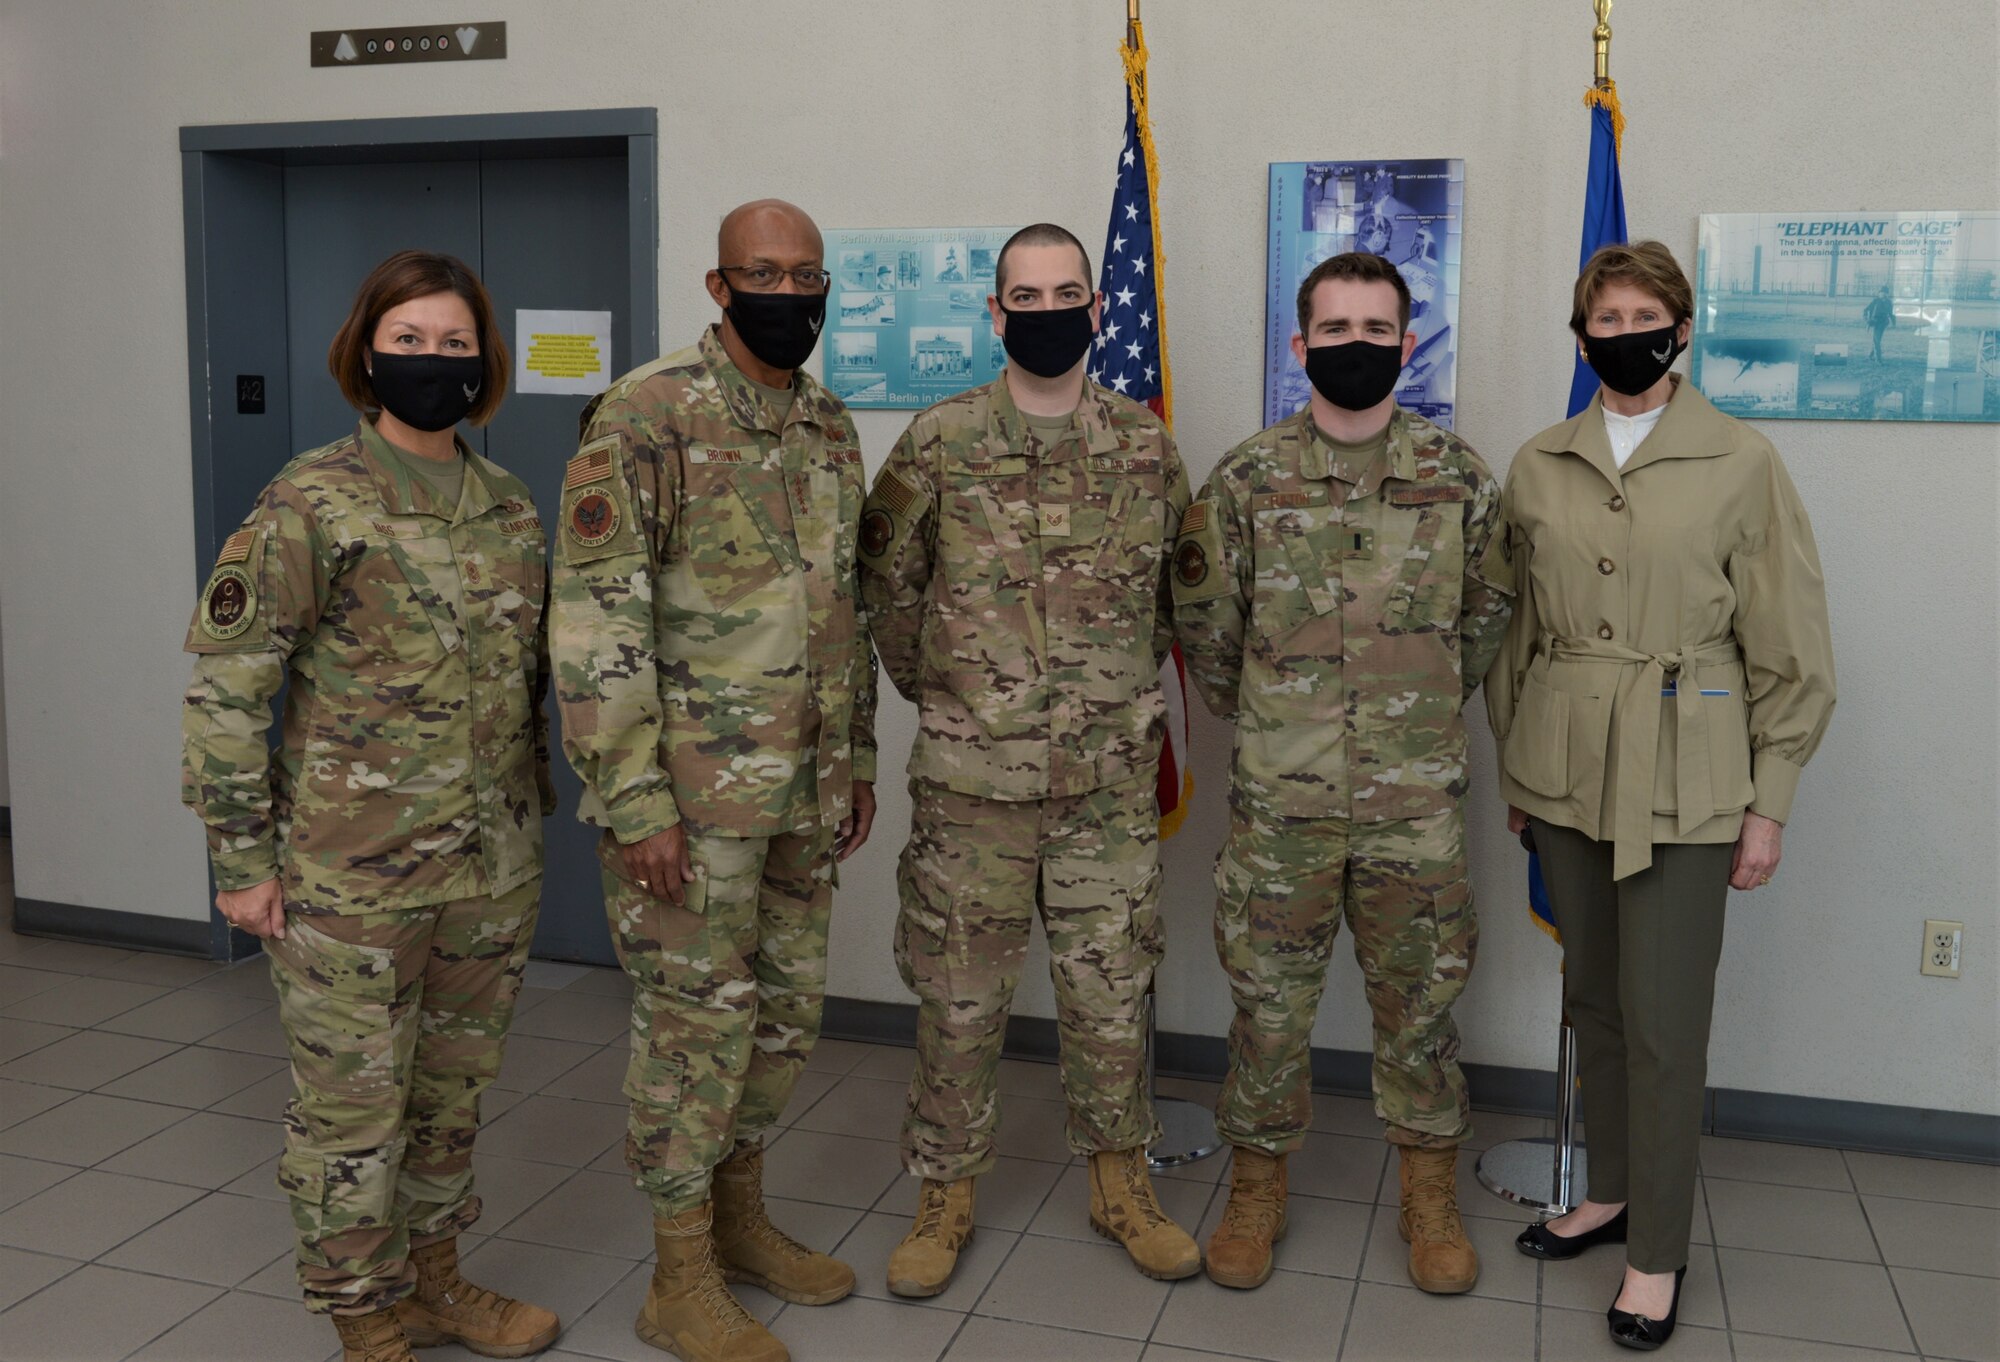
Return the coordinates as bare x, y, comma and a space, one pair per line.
712, 658
1670, 662
1018, 594
413, 767
1340, 615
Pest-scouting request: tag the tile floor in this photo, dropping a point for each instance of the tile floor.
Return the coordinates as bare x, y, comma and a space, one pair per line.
139, 1097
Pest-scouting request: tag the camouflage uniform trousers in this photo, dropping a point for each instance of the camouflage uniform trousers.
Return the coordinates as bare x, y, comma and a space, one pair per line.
971, 879
1283, 885
726, 1001
395, 1023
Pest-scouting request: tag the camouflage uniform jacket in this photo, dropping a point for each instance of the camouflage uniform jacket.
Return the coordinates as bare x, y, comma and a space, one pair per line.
1340, 616
711, 652
414, 764
1018, 594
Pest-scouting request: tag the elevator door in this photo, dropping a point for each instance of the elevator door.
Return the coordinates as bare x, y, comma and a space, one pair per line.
290, 239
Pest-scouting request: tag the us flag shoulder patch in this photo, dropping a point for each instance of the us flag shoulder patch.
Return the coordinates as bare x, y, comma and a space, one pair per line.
894, 493
591, 464
1195, 519
236, 548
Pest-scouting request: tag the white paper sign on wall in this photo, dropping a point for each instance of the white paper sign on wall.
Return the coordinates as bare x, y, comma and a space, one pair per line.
562, 352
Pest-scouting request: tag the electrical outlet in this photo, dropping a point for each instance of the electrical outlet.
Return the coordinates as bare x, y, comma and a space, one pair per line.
1942, 941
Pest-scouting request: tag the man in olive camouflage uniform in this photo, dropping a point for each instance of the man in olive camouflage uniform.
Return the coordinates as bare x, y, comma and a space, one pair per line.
718, 700
1015, 545
410, 632
1337, 602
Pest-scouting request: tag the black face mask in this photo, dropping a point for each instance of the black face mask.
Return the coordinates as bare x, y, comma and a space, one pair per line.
426, 392
1354, 375
1635, 361
781, 329
1047, 343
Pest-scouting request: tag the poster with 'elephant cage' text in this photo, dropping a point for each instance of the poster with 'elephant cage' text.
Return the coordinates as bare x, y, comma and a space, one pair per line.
1409, 212
1849, 316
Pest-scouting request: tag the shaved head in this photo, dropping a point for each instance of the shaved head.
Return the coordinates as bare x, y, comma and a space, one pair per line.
770, 230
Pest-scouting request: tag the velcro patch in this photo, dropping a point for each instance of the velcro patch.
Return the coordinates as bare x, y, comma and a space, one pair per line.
894, 493
1419, 495
1282, 500
843, 456
1138, 463
1357, 543
1195, 519
593, 519
521, 526
591, 464
1055, 517
236, 548
391, 529
228, 604
710, 454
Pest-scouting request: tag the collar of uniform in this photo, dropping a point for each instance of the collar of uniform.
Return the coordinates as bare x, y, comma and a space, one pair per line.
749, 408
1690, 428
1006, 425
1320, 460
402, 494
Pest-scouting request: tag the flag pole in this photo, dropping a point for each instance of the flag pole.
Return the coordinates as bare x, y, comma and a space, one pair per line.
1552, 1175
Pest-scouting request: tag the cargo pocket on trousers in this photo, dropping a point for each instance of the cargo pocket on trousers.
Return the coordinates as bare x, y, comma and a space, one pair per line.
334, 1193
1455, 938
658, 1073
1233, 947
922, 924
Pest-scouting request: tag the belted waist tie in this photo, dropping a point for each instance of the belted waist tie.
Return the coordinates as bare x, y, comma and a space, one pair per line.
1638, 709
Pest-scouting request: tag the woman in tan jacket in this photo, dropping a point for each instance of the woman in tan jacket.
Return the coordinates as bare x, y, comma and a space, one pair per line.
1667, 674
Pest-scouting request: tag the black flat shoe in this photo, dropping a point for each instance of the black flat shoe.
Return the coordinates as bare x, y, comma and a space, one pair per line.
1637, 1331
1539, 1241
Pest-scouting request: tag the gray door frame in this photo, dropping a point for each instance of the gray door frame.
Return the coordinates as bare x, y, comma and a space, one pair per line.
218, 150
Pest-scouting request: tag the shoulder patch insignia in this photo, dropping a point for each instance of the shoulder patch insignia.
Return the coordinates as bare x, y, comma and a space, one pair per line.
894, 493
877, 530
591, 464
236, 548
593, 519
1195, 519
229, 604
1191, 563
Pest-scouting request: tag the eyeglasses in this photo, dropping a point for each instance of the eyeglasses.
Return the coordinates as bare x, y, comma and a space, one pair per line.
766, 278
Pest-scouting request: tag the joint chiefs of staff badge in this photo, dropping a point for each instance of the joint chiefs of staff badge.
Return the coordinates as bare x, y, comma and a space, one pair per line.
229, 605
876, 532
593, 519
1191, 564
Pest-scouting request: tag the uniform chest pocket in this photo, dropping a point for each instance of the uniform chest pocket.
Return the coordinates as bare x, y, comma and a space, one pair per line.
517, 597
1429, 581
728, 536
400, 606
973, 557
1298, 578
1130, 538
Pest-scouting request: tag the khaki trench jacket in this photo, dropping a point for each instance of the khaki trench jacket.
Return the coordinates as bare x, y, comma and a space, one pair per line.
1669, 663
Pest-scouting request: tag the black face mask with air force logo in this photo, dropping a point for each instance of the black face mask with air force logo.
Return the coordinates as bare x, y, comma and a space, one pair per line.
1633, 362
426, 392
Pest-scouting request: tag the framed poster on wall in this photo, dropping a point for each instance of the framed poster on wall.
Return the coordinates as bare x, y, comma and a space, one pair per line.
906, 324
1891, 316
1410, 212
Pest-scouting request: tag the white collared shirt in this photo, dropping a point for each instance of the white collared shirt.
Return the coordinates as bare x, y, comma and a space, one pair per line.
1629, 432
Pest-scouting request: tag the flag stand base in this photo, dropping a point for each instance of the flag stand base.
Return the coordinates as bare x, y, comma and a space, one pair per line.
1187, 1134
1524, 1172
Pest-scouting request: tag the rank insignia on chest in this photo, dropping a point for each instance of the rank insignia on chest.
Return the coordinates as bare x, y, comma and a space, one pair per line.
593, 519
1055, 517
229, 603
1191, 564
1356, 543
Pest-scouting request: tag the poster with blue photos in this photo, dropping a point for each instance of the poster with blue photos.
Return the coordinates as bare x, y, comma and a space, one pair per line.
1412, 213
906, 324
1884, 316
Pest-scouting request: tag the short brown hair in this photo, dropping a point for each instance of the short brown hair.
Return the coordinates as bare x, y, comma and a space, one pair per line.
403, 276
1038, 234
1645, 265
1361, 267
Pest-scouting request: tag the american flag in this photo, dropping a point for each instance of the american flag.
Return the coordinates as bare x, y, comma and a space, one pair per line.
1131, 359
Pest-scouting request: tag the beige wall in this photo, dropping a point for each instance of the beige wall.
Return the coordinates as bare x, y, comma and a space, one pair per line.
1011, 112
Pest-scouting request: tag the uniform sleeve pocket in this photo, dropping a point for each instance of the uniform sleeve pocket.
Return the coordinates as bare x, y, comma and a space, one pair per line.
731, 549
1537, 749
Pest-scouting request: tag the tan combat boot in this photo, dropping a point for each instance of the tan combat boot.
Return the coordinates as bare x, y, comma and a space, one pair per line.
376, 1337
689, 1311
1124, 1210
446, 1308
1239, 1252
1442, 1260
922, 1264
754, 1250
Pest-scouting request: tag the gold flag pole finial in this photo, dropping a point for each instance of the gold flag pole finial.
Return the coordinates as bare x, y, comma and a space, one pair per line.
1601, 35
